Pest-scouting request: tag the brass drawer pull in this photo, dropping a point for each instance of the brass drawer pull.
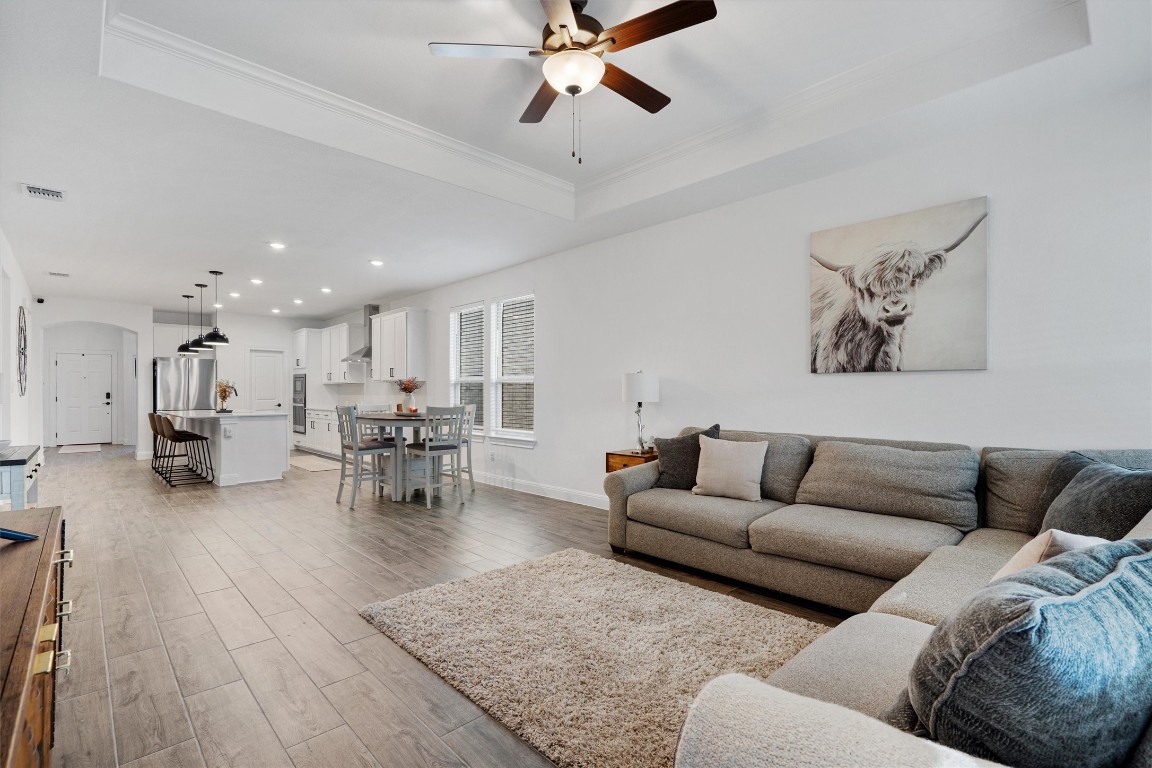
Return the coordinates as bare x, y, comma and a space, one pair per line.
48, 633
66, 556
64, 661
64, 609
42, 664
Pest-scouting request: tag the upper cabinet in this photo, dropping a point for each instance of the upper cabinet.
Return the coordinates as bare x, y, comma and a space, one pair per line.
399, 345
335, 344
300, 346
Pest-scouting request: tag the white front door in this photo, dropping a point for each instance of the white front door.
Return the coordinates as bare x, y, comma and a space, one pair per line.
268, 377
83, 398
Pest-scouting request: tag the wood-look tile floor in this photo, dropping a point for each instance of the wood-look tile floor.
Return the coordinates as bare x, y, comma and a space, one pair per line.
219, 626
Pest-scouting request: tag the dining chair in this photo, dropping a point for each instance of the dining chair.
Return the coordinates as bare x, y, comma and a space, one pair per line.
469, 425
358, 444
437, 454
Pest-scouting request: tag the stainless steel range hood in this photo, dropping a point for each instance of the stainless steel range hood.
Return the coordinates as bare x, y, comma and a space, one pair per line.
364, 354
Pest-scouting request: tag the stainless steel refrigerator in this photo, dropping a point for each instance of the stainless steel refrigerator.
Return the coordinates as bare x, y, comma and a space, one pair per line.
183, 384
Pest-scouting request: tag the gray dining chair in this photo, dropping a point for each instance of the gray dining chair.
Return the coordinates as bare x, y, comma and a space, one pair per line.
436, 455
469, 425
358, 445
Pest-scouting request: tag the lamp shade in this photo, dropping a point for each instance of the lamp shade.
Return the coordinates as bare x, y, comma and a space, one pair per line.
641, 388
573, 71
215, 339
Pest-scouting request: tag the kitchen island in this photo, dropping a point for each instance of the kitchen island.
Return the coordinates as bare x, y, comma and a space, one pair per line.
247, 446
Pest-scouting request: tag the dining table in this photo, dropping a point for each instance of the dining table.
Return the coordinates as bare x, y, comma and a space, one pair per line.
398, 422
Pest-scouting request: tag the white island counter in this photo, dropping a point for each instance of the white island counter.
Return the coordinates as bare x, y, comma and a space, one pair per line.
247, 446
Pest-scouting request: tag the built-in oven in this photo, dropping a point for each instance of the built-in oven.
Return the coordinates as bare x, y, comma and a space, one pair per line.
299, 403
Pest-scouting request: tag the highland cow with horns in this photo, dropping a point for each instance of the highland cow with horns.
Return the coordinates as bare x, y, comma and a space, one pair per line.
860, 311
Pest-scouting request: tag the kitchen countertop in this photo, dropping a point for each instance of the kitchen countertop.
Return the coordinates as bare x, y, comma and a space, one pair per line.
206, 414
15, 455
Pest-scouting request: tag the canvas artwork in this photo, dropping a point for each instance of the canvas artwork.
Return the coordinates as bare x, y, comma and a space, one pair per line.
902, 293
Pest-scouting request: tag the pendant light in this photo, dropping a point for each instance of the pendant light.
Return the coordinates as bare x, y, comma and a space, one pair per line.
214, 337
185, 349
198, 344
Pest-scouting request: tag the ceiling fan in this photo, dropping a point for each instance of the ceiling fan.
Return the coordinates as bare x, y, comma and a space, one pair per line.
572, 47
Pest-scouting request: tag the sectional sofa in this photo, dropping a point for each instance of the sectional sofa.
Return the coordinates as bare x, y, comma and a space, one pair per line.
837, 701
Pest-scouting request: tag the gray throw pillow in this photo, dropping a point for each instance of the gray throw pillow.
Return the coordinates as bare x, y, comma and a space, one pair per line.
1063, 470
938, 486
1049, 666
680, 458
1101, 500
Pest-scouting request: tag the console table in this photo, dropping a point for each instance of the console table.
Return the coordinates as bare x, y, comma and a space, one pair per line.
31, 612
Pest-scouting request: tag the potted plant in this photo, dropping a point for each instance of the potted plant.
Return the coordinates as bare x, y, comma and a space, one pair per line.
409, 387
224, 390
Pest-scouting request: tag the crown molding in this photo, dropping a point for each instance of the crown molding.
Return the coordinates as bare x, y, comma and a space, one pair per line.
147, 56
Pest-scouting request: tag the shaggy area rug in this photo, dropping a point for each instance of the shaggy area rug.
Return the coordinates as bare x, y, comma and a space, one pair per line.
591, 661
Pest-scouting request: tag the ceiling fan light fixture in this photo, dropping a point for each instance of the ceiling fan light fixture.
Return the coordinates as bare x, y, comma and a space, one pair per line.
573, 71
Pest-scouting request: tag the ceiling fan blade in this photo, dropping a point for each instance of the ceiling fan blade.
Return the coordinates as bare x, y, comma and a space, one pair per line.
636, 91
482, 51
559, 14
660, 22
540, 103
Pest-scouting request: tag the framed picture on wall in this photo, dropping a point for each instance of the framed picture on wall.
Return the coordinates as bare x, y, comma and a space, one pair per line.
903, 293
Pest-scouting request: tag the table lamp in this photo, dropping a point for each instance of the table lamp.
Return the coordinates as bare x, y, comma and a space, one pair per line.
641, 388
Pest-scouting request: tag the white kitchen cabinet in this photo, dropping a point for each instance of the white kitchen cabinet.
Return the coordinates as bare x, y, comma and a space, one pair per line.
335, 344
399, 345
166, 338
323, 432
305, 342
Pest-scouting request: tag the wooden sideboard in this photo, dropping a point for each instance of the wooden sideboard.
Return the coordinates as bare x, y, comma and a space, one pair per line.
31, 635
614, 460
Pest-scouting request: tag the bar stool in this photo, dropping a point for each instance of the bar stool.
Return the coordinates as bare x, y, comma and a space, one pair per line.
197, 456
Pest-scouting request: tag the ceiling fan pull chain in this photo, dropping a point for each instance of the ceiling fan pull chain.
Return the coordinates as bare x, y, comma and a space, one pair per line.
573, 125
579, 133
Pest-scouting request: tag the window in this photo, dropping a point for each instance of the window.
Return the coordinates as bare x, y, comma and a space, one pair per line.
467, 363
515, 363
493, 365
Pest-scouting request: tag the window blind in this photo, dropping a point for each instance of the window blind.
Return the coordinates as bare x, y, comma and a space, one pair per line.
470, 343
518, 337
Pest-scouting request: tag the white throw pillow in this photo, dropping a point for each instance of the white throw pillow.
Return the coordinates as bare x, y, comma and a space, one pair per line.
1047, 545
729, 468
1143, 529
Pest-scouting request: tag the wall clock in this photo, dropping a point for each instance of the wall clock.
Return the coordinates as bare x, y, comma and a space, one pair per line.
22, 351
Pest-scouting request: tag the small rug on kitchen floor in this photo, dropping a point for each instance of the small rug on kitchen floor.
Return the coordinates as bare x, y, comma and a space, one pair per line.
314, 463
79, 449
591, 661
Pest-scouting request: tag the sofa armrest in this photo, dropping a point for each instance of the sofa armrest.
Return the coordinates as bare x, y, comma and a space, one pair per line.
739, 722
621, 484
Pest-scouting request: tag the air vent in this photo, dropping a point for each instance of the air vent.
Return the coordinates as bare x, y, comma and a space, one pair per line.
43, 193
59, 274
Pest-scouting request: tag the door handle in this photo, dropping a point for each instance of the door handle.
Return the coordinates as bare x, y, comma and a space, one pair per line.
109, 402
277, 405
391, 373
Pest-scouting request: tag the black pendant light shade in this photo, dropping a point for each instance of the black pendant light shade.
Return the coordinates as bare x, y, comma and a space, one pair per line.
185, 349
198, 344
214, 338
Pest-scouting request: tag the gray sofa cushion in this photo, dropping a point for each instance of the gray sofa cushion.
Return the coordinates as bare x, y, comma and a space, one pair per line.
941, 584
1015, 481
787, 460
1049, 666
996, 541
1101, 500
679, 458
862, 664
938, 486
709, 517
877, 545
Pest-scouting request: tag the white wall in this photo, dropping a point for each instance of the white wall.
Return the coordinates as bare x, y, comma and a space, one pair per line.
717, 305
136, 318
16, 422
94, 337
246, 333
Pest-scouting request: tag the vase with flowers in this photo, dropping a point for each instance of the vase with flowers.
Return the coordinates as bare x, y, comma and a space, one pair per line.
409, 387
224, 390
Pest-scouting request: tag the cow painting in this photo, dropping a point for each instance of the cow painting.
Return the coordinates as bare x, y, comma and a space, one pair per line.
862, 311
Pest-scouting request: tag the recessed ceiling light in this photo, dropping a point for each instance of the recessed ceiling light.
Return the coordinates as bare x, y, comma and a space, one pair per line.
277, 246
297, 301
276, 311
326, 290
234, 295
376, 263
256, 281
218, 306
